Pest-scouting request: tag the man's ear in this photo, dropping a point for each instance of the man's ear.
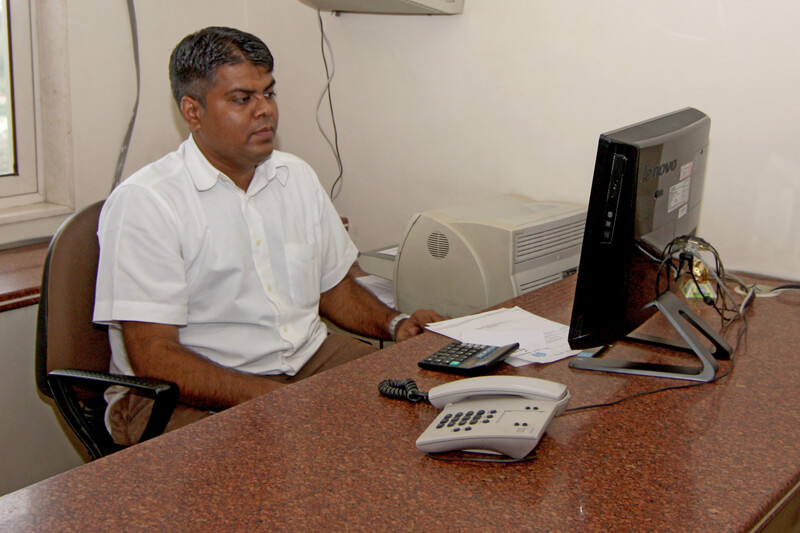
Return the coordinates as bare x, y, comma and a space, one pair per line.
191, 111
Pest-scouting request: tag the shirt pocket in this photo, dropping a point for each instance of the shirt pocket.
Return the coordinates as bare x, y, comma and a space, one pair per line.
304, 276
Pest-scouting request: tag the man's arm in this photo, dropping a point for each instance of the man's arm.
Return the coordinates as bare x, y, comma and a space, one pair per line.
353, 308
155, 351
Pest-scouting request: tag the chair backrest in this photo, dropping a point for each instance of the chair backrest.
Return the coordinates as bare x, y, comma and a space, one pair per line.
65, 334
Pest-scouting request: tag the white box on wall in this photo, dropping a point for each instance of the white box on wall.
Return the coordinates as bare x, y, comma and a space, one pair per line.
396, 7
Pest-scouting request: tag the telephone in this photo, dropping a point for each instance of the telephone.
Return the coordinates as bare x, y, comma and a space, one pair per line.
492, 414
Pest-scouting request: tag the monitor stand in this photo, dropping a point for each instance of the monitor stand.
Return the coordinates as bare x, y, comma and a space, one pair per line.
685, 321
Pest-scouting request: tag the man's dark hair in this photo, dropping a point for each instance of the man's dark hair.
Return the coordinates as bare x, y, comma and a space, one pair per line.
194, 62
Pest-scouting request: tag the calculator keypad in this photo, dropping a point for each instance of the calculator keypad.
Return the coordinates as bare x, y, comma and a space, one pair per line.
456, 353
465, 358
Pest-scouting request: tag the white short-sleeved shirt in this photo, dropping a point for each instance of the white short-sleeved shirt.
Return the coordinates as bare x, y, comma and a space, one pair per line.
239, 272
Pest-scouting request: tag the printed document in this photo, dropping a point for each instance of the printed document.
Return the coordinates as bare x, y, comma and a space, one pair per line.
540, 340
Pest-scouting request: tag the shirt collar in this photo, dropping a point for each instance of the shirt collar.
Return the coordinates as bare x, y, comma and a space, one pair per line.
204, 175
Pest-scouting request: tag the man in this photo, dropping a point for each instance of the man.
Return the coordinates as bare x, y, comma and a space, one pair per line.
217, 260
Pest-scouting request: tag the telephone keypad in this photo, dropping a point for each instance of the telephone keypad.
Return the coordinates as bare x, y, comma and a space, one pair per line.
508, 425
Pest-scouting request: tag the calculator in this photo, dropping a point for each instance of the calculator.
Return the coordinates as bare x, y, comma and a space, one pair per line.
467, 359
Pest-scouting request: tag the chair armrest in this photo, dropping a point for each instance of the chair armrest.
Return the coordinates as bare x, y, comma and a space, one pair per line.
164, 394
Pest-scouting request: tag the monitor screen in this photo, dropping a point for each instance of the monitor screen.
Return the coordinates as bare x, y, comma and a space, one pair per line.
646, 192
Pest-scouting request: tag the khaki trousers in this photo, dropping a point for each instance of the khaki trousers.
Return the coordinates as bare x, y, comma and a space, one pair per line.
128, 416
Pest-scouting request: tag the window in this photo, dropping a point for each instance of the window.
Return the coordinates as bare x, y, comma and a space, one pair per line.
18, 176
36, 185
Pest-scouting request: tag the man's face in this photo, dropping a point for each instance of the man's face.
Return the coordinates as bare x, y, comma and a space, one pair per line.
236, 128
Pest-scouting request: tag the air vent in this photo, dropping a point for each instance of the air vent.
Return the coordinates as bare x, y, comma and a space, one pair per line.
539, 283
533, 245
438, 245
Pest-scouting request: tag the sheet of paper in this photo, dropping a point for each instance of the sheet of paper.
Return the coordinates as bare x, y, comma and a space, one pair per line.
380, 287
453, 327
547, 355
541, 340
527, 339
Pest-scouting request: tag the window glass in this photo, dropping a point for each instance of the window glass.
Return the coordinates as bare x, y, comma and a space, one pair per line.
7, 152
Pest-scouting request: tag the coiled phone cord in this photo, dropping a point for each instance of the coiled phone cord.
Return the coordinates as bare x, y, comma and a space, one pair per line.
402, 389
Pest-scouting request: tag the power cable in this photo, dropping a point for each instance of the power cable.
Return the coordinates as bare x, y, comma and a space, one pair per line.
334, 144
123, 152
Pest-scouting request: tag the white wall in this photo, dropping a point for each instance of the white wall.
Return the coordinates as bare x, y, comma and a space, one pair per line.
511, 95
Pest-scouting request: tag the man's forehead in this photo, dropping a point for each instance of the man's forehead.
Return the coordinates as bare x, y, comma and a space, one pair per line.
237, 73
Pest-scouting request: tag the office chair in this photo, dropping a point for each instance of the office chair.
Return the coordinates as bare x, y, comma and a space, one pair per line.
72, 353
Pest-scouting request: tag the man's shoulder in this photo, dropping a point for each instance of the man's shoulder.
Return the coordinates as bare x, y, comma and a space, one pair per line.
170, 167
163, 182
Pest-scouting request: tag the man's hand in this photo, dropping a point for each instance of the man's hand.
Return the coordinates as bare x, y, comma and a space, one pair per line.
415, 325
353, 308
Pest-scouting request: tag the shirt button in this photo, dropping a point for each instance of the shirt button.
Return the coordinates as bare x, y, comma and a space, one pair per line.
285, 329
258, 242
269, 288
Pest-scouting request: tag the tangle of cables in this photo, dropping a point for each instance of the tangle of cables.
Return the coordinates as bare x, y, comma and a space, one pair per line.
684, 257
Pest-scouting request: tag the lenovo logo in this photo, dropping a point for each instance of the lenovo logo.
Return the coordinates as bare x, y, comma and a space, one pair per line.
650, 172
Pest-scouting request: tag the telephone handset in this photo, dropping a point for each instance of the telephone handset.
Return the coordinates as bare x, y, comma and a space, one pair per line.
492, 414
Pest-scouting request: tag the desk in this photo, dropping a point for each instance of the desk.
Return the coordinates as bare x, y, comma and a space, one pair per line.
329, 453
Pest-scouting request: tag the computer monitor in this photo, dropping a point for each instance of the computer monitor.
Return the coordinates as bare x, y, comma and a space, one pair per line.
646, 192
